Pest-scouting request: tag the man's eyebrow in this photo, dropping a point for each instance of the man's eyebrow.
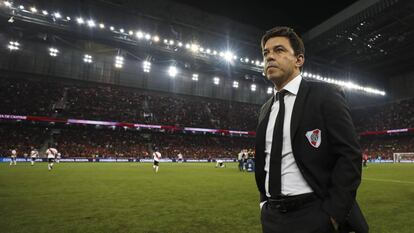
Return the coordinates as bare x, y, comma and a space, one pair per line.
273, 47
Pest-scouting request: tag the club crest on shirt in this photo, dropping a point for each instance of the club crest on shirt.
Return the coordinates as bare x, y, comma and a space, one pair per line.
314, 137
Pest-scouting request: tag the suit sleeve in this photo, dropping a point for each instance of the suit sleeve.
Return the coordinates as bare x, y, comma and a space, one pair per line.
344, 147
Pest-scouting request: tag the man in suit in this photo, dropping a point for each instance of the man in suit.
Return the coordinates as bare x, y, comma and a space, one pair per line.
308, 160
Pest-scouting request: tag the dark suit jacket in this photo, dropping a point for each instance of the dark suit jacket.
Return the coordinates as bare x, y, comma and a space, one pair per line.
333, 170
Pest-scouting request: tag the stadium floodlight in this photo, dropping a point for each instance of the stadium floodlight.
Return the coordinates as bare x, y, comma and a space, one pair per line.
156, 38
13, 45
119, 62
87, 58
187, 46
235, 57
68, 18
228, 56
257, 63
21, 7
171, 42
216, 80
235, 84
180, 44
57, 15
101, 26
269, 90
195, 77
130, 32
201, 49
139, 34
146, 65
208, 51
246, 59
91, 23
194, 47
305, 74
262, 64
172, 71
33, 9
111, 28
121, 30
165, 41
253, 87
214, 52
80, 20
7, 3
44, 12
53, 52
148, 36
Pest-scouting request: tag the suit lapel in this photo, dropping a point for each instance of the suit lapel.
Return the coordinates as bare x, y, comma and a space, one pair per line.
298, 108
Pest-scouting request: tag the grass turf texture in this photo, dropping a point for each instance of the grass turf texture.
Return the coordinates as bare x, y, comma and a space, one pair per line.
129, 197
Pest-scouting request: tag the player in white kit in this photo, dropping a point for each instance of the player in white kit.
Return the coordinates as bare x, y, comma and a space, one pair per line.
13, 157
51, 153
157, 156
33, 155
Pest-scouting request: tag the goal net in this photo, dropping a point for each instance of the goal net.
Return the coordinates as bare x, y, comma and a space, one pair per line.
407, 157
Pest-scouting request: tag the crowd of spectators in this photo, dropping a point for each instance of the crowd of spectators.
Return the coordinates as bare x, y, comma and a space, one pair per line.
74, 99
120, 143
396, 115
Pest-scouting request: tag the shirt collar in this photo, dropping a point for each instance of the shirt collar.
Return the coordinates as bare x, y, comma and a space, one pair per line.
293, 86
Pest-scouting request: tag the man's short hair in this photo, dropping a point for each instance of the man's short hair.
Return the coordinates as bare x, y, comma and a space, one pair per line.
282, 31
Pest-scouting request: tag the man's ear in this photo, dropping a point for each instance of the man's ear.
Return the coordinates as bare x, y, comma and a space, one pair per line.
300, 60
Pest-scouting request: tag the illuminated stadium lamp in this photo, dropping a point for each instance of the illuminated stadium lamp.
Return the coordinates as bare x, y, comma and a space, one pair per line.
146, 65
234, 57
235, 84
111, 28
33, 9
57, 15
91, 23
68, 18
252, 62
165, 41
246, 59
13, 45
194, 47
80, 20
228, 56
21, 7
172, 71
262, 64
53, 52
180, 44
253, 87
139, 34
201, 49
171, 42
121, 30
130, 32
7, 3
305, 74
216, 80
208, 51
44, 12
156, 38
119, 62
221, 54
87, 58
195, 77
214, 52
269, 90
101, 26
147, 36
188, 46
257, 63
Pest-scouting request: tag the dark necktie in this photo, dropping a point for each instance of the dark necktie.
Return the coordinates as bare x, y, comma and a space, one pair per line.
276, 151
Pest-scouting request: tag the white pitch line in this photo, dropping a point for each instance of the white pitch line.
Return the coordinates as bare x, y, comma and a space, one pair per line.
392, 181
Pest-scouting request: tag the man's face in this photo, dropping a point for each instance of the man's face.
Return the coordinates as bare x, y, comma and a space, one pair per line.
280, 62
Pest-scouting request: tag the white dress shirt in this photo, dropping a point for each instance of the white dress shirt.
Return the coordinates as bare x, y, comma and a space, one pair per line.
293, 182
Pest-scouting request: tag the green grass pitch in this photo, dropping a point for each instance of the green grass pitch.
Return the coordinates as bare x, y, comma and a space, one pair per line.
181, 198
